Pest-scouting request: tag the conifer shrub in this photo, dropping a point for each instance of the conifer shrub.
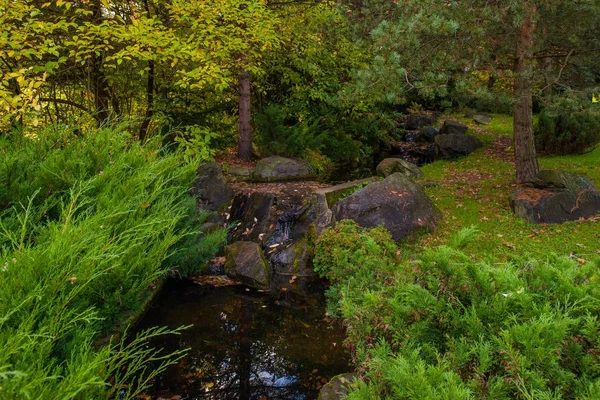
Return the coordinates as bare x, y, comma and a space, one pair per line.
86, 226
440, 326
570, 125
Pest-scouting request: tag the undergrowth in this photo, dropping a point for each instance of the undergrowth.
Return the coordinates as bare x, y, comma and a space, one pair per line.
438, 325
89, 226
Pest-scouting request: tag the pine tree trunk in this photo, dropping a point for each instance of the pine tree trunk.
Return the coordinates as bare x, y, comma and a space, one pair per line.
245, 129
525, 159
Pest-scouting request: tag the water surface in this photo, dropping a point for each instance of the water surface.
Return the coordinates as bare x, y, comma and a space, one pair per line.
245, 344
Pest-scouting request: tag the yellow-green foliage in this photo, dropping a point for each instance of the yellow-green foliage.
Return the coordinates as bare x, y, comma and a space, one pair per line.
86, 225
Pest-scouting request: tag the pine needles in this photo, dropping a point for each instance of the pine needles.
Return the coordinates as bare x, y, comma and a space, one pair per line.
86, 227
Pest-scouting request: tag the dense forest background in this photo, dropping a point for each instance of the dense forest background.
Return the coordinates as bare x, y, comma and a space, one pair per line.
325, 81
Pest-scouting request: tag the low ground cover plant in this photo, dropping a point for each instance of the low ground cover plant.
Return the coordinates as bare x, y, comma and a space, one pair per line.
89, 226
438, 325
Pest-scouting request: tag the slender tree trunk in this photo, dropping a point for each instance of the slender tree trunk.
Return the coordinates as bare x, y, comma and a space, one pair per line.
525, 159
99, 84
100, 91
245, 129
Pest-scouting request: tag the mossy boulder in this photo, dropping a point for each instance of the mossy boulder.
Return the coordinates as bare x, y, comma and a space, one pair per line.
313, 219
397, 203
210, 187
292, 266
245, 262
555, 197
391, 166
337, 388
279, 169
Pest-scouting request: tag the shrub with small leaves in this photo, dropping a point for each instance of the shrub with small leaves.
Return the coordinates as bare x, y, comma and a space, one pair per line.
440, 326
570, 125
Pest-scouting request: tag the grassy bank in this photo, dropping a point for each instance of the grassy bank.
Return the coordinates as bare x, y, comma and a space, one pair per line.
487, 307
89, 224
474, 191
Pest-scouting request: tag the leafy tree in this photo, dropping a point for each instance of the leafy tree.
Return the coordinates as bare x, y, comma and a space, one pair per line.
429, 47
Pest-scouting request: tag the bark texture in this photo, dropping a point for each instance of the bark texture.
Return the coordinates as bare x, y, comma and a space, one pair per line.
525, 158
245, 129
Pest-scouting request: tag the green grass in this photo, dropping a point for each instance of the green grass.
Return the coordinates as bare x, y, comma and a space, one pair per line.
474, 191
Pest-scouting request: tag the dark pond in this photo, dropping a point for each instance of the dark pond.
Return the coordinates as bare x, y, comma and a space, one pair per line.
245, 344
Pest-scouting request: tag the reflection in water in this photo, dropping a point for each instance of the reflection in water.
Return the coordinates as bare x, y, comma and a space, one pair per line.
245, 345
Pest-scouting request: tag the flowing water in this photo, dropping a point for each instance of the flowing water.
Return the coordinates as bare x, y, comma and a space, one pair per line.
245, 344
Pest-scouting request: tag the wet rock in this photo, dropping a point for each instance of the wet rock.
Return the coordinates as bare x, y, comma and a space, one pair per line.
275, 168
282, 231
253, 215
451, 127
292, 266
397, 203
391, 166
482, 118
416, 121
337, 388
245, 262
314, 218
556, 197
427, 135
211, 188
453, 145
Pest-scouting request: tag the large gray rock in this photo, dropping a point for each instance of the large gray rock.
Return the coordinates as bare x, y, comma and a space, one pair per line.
397, 203
391, 166
556, 197
453, 145
337, 388
211, 188
245, 262
416, 121
276, 168
451, 127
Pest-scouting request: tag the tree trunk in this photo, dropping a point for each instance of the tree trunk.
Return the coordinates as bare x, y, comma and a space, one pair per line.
525, 160
100, 91
245, 130
98, 82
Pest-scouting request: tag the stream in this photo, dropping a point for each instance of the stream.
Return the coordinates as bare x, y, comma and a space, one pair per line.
245, 344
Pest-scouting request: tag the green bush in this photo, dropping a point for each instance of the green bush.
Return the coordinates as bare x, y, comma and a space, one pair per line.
342, 139
570, 125
439, 326
86, 227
